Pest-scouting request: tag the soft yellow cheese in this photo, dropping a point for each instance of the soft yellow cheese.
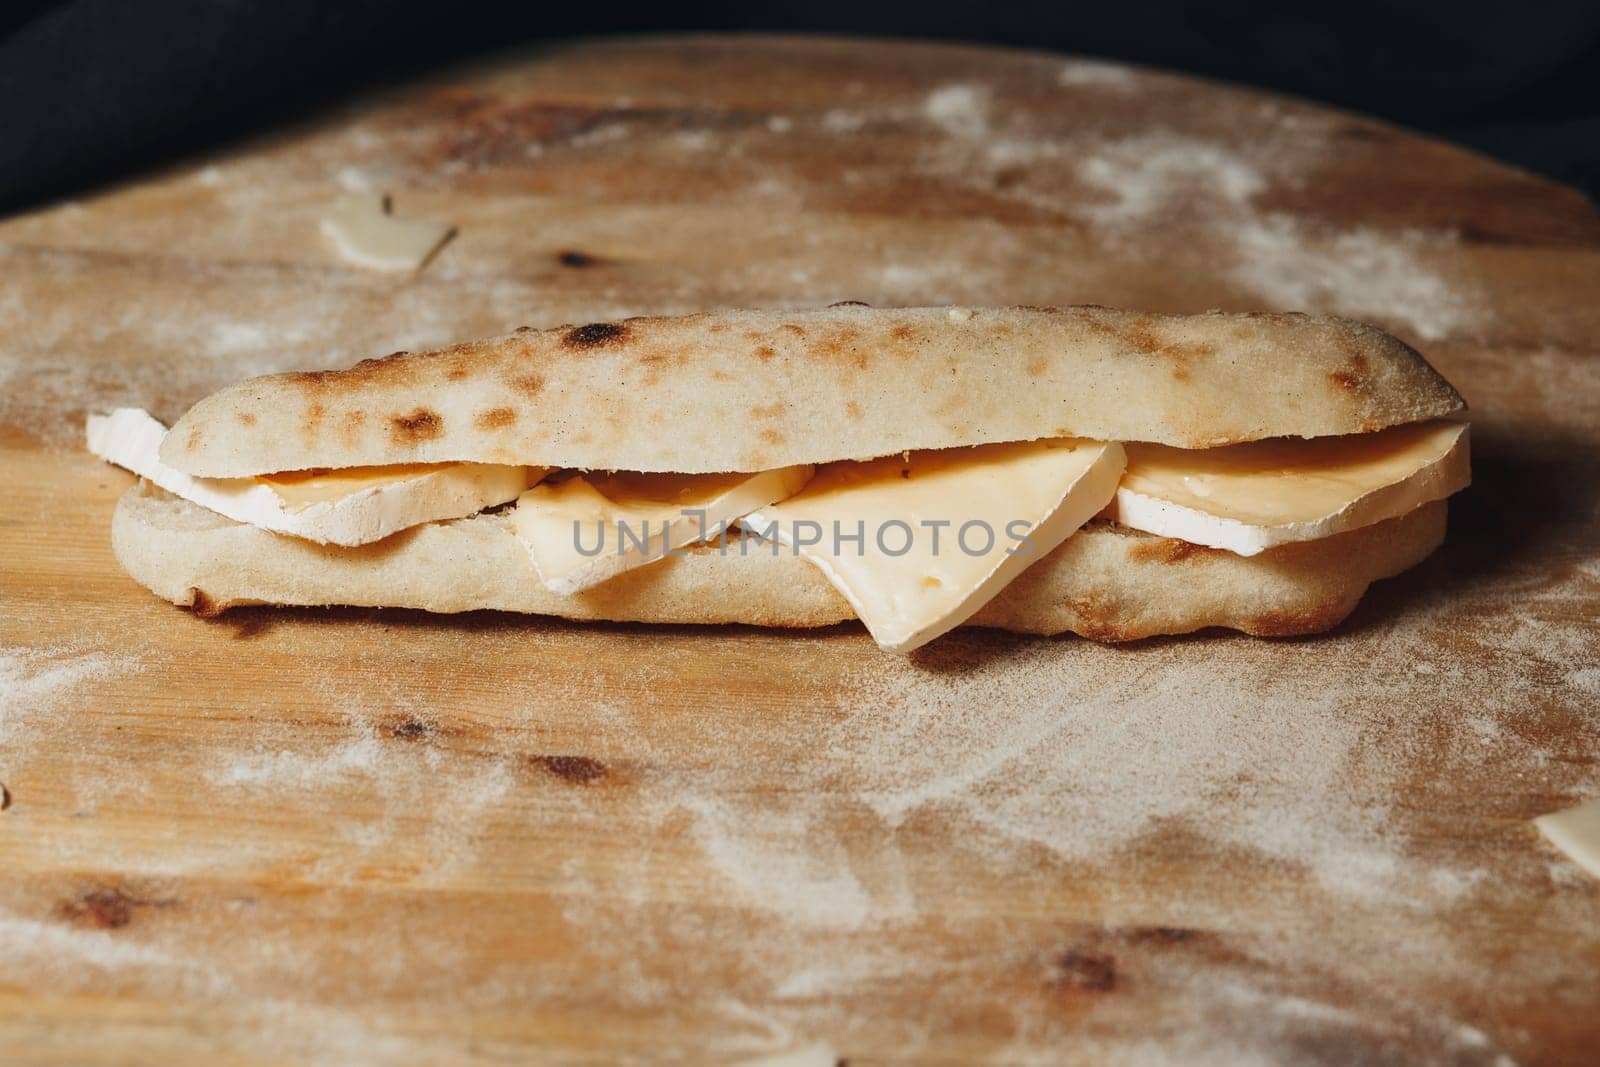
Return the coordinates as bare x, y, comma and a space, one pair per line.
582, 530
1576, 832
354, 506
301, 488
918, 543
1249, 497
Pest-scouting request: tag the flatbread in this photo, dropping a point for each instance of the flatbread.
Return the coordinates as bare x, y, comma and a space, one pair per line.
1104, 582
754, 390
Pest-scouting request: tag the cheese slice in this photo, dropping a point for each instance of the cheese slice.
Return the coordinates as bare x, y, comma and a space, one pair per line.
940, 532
1246, 498
1576, 832
340, 507
366, 234
590, 527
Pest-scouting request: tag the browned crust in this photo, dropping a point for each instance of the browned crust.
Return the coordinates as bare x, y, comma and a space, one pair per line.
692, 394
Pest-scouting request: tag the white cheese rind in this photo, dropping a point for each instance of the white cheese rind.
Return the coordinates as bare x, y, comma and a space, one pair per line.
131, 438
1431, 463
1576, 832
551, 519
908, 599
364, 232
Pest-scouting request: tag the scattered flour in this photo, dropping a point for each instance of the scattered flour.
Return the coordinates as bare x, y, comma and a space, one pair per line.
842, 121
602, 134
358, 755
959, 110
1586, 679
693, 140
34, 682
53, 947
353, 179
1084, 764
237, 338
925, 788
402, 799
812, 886
1088, 73
1146, 175
1356, 272
1159, 178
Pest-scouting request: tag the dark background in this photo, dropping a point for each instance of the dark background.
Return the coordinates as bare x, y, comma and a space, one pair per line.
92, 90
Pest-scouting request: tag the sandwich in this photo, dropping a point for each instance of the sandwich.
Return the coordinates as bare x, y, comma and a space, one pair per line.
1110, 473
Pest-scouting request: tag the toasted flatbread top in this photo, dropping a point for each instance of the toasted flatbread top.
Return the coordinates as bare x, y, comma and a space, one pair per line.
753, 390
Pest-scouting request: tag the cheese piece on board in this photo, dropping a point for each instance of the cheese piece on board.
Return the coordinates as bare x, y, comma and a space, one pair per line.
590, 527
940, 532
1576, 832
1246, 498
343, 507
366, 234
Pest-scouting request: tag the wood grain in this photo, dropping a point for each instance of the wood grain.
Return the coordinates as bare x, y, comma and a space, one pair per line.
368, 837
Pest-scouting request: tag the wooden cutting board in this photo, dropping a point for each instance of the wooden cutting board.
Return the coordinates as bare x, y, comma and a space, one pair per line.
369, 837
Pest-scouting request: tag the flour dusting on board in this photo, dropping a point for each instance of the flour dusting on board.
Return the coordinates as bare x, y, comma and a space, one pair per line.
1282, 261
1219, 204
1355, 272
36, 681
1143, 177
1083, 765
1092, 74
402, 798
960, 110
489, 821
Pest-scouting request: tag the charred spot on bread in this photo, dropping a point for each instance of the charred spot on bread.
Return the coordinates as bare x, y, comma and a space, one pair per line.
840, 345
1354, 376
594, 335
529, 385
1166, 550
495, 418
420, 425
571, 257
202, 605
1313, 620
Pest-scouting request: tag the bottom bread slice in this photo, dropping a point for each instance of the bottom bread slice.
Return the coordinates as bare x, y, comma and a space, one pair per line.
1105, 582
